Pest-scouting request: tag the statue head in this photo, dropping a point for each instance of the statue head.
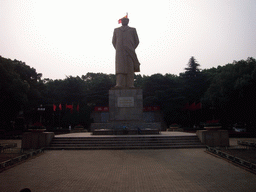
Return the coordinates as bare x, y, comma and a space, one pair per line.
125, 21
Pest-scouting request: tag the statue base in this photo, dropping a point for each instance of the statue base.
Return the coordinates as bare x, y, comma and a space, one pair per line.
125, 104
125, 114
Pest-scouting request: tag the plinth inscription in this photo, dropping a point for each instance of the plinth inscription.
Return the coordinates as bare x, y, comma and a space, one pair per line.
125, 105
125, 102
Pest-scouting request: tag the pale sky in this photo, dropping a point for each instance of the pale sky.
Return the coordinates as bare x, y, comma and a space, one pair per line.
60, 38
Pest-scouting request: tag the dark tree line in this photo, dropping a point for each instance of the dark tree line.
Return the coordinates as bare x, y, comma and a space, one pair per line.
20, 90
225, 93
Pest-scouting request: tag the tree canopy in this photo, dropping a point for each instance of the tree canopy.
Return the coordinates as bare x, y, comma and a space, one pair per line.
225, 92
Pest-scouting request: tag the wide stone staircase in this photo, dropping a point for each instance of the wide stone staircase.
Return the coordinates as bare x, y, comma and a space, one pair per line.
125, 142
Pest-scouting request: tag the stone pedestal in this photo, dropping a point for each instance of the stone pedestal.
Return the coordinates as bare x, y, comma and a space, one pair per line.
214, 138
125, 105
37, 140
125, 114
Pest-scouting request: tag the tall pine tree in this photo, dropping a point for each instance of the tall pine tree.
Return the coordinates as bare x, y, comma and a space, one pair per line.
194, 82
192, 71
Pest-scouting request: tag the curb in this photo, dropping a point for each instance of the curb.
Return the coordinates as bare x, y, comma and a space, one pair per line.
18, 159
238, 161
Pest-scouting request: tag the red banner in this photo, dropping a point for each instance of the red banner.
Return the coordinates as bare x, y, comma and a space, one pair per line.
213, 121
192, 107
101, 108
151, 108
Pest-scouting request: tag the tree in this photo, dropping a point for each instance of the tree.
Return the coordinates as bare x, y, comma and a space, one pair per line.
138, 80
98, 85
194, 82
231, 91
192, 70
152, 85
164, 91
18, 89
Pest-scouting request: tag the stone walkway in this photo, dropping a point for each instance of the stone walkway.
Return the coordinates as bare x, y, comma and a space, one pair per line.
127, 170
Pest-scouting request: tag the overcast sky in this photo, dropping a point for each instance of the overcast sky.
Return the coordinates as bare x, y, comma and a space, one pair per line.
60, 38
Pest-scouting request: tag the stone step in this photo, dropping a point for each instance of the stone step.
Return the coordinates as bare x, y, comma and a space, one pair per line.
129, 142
126, 144
120, 142
125, 147
127, 138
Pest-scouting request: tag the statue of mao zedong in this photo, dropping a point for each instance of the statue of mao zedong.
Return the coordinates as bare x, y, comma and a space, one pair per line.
125, 40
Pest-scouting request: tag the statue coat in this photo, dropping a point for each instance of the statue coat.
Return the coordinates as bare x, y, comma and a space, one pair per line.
125, 40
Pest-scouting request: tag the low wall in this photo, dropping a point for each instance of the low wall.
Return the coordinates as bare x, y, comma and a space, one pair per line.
32, 140
214, 138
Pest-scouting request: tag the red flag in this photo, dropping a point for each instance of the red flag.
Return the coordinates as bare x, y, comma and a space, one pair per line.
60, 107
70, 107
186, 107
198, 106
54, 107
192, 107
213, 121
77, 108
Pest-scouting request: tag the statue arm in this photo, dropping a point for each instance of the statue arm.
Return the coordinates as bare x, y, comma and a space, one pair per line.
114, 39
136, 39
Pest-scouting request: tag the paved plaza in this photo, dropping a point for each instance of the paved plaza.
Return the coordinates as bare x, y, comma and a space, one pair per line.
127, 170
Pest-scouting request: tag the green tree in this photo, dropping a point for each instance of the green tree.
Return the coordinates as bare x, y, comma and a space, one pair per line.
164, 91
138, 80
151, 85
231, 91
98, 85
19, 88
194, 82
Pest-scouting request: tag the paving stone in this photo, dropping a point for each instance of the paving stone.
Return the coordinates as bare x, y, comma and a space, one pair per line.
127, 170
